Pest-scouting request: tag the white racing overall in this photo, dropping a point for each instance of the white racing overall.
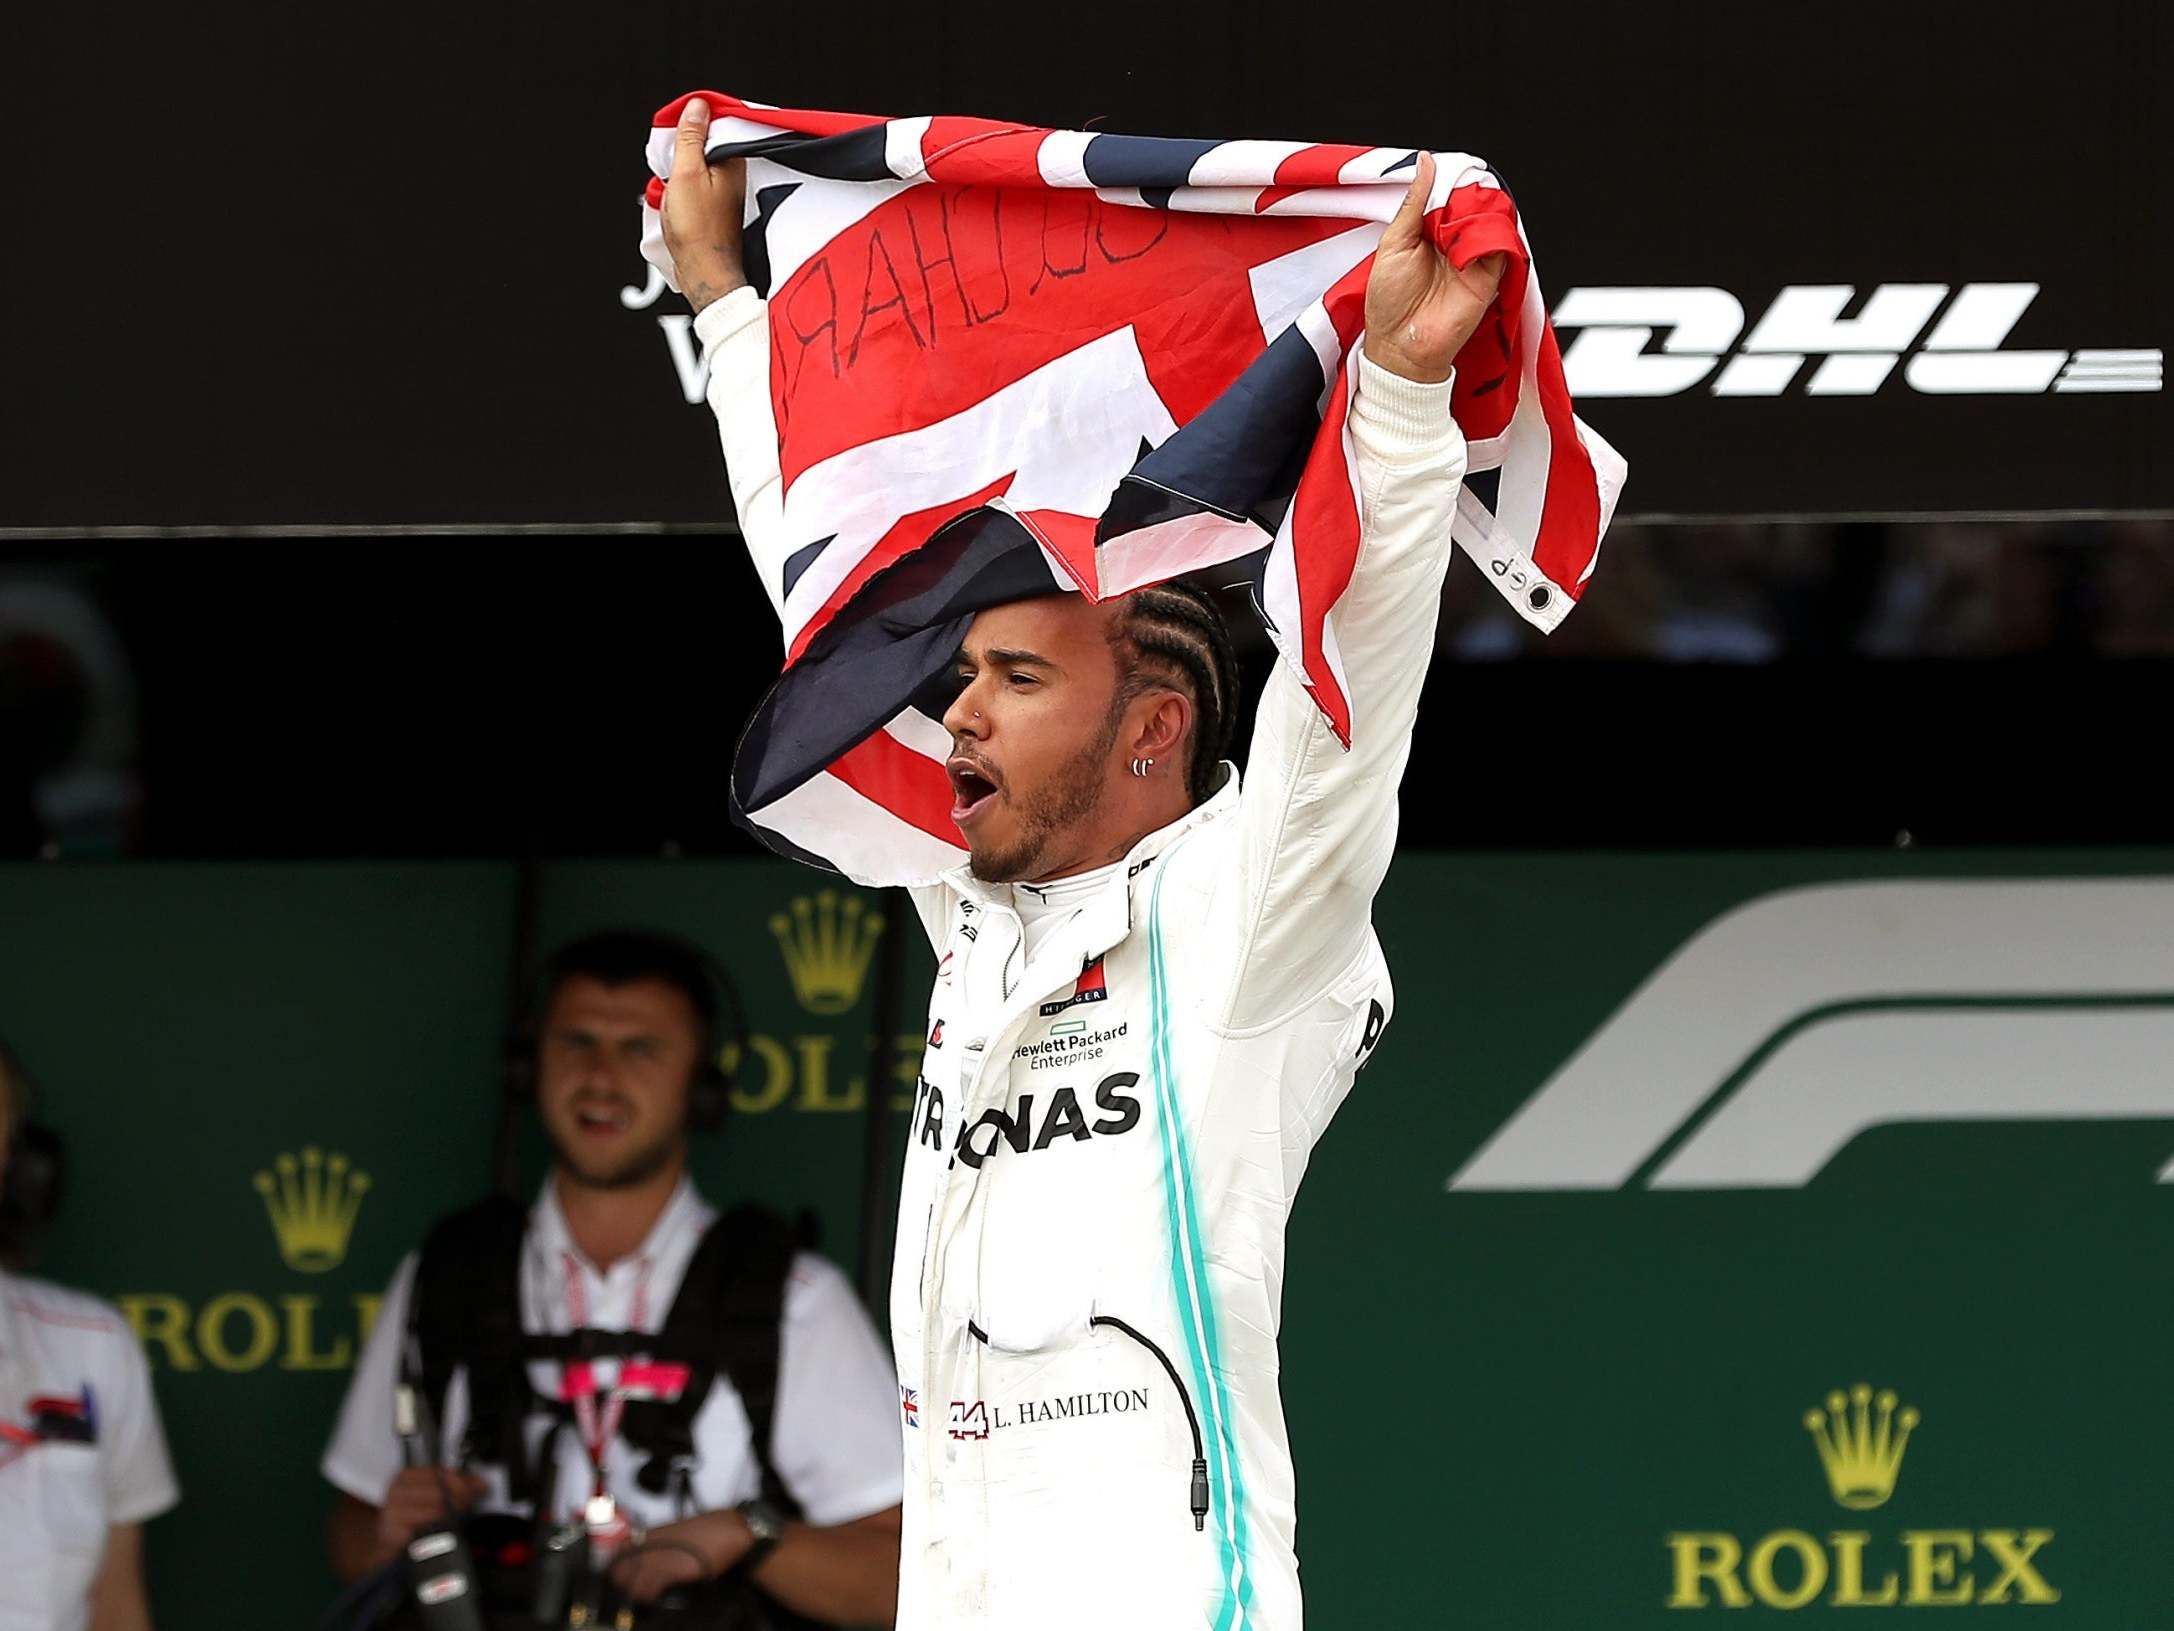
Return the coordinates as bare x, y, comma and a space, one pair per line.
1108, 1134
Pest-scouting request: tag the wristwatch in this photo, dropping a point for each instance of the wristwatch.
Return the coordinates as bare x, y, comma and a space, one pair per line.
767, 1524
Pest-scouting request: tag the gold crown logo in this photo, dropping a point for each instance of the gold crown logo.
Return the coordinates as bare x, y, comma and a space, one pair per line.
1862, 1452
312, 1204
827, 944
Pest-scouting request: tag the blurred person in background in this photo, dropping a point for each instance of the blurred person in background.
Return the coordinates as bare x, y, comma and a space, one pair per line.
572, 1429
68, 733
83, 1460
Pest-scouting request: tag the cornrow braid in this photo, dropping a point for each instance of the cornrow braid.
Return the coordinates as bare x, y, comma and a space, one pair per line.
1175, 632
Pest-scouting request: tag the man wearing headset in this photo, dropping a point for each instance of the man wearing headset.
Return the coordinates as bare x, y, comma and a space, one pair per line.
82, 1459
624, 1043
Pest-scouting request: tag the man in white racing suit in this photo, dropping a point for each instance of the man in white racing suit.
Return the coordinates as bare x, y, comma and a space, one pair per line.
1154, 989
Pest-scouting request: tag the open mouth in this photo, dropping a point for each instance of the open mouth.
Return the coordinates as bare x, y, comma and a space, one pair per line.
601, 1120
971, 790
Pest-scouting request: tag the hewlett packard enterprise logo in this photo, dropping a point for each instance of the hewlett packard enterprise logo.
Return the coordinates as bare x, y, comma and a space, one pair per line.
1656, 341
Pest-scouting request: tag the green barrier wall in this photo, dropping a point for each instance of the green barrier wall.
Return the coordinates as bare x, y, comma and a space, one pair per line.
1657, 1155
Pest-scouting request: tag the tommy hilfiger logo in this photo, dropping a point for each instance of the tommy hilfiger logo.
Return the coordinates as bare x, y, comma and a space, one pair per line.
1089, 989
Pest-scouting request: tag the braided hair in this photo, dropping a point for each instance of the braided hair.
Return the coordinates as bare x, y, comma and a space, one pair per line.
1173, 635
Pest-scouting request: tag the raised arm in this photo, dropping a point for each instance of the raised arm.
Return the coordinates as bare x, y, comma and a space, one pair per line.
703, 207
1319, 823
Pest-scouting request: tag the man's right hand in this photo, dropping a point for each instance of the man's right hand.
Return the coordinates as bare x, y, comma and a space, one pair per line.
702, 208
416, 1500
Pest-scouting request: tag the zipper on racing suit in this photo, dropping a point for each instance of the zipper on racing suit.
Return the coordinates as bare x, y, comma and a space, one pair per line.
928, 1222
1197, 1492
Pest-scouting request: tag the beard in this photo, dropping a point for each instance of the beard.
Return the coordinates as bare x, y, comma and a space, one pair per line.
1071, 794
634, 1167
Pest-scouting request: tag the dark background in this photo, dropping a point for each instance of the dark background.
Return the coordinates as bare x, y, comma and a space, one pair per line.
305, 265
302, 269
309, 269
411, 697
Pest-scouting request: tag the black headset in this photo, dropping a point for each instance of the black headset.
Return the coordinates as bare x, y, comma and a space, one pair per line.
646, 954
31, 1184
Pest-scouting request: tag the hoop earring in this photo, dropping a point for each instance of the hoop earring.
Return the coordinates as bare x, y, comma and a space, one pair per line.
1141, 767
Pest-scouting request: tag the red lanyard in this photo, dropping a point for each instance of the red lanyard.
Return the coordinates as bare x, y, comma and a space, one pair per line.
596, 1425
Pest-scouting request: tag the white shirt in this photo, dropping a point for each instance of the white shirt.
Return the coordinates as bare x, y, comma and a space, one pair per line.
58, 1497
835, 1435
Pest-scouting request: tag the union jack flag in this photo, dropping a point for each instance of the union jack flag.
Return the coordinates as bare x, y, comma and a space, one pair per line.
1008, 360
909, 1401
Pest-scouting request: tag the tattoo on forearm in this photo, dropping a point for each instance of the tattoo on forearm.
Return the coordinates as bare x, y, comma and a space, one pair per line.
708, 273
702, 291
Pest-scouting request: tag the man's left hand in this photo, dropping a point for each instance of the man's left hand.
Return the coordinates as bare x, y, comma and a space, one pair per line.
1420, 310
